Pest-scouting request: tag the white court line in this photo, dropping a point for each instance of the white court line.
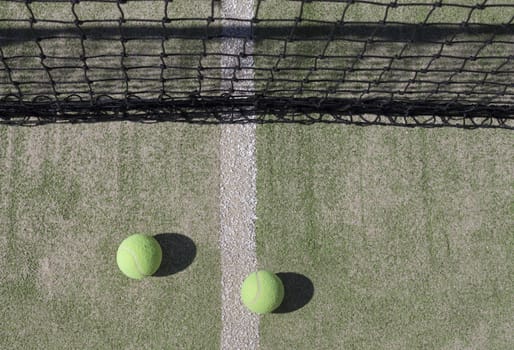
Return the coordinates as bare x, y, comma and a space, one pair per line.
240, 328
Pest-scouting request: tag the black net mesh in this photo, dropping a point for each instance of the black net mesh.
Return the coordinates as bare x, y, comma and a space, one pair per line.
402, 62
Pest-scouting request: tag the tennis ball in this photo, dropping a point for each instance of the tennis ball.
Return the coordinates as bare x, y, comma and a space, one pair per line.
262, 292
139, 256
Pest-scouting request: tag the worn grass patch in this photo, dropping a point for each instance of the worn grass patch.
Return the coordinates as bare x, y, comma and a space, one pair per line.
70, 194
406, 236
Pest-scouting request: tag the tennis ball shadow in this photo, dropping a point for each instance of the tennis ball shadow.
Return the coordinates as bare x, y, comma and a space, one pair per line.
298, 291
178, 252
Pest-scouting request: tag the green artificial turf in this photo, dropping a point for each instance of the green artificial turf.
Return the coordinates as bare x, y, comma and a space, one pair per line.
406, 236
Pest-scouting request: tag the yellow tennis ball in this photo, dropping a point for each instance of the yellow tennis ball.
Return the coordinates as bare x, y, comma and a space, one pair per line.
262, 292
139, 256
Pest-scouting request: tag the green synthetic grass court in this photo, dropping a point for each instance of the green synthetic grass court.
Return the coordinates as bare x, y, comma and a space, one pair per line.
405, 234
